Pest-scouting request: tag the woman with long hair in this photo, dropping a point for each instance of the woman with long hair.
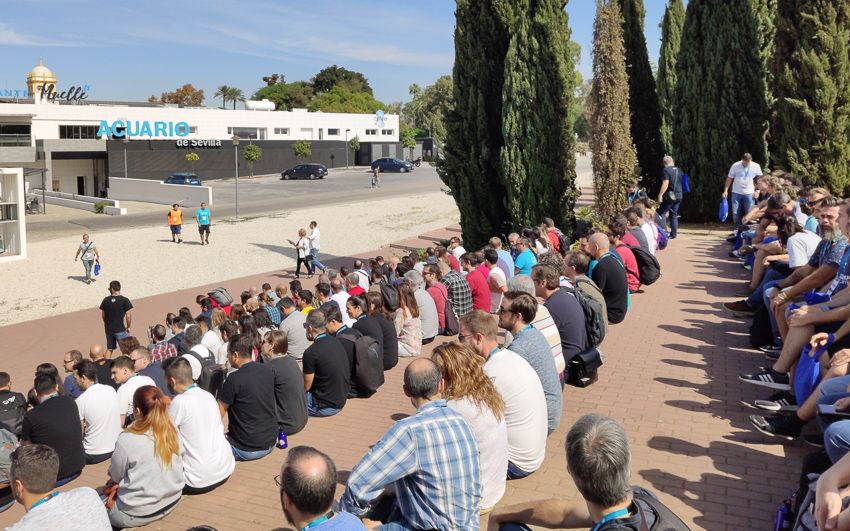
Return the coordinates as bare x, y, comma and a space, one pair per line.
408, 325
384, 315
146, 473
469, 391
248, 327
237, 311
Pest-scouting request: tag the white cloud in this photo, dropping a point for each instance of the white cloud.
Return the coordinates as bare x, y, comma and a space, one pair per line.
10, 37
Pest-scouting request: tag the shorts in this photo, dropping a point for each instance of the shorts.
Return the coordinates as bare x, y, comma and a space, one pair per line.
204, 228
113, 339
175, 229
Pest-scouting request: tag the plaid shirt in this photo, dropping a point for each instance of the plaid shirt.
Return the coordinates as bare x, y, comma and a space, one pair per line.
460, 295
432, 460
274, 314
162, 351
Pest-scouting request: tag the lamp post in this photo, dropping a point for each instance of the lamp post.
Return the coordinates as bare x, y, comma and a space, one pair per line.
235, 140
125, 141
346, 147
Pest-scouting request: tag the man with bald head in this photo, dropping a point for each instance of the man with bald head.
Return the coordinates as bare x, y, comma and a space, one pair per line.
430, 460
97, 353
609, 275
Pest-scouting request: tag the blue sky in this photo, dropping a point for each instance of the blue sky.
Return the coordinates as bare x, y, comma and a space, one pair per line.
130, 50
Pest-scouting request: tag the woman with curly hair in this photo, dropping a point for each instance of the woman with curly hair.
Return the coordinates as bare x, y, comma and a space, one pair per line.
470, 392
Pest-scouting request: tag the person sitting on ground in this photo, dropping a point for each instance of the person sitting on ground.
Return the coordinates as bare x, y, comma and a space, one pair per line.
565, 309
142, 359
477, 282
408, 325
366, 324
71, 358
124, 374
459, 292
207, 458
609, 275
307, 484
194, 351
293, 326
520, 388
128, 345
305, 301
227, 329
470, 392
327, 373
497, 282
599, 463
428, 313
340, 296
635, 235
162, 349
178, 328
517, 310
352, 285
206, 307
438, 293
55, 422
430, 460
97, 353
32, 476
210, 339
542, 321
525, 259
99, 412
13, 405
290, 401
263, 323
323, 293
383, 316
616, 231
146, 466
247, 398
347, 337
377, 280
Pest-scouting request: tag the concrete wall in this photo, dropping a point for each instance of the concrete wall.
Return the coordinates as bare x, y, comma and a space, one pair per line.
67, 171
81, 202
157, 192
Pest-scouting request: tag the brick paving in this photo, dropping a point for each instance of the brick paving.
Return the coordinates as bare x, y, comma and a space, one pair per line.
670, 376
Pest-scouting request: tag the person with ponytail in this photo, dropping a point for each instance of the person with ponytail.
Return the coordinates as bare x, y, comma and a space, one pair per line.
146, 473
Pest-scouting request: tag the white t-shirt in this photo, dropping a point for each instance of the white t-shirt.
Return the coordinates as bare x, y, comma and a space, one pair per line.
363, 279
492, 438
303, 247
207, 457
459, 251
201, 351
128, 389
496, 280
341, 299
525, 408
99, 409
314, 238
742, 177
651, 236
79, 508
801, 246
211, 341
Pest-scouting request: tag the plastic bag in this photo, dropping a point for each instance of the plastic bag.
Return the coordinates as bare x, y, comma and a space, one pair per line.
723, 212
807, 375
686, 185
813, 298
96, 268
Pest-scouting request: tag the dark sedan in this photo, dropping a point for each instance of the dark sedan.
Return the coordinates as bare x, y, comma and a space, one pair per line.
184, 178
305, 171
392, 164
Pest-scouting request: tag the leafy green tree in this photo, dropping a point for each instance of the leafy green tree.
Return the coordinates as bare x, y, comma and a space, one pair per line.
192, 158
671, 40
720, 107
334, 76
341, 99
302, 149
811, 124
235, 95
287, 96
614, 158
222, 92
354, 143
187, 96
252, 154
538, 156
428, 107
408, 140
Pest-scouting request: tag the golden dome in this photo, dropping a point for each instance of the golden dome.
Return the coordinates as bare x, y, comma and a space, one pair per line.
41, 72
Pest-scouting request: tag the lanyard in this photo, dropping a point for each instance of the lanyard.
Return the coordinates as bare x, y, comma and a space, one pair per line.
495, 350
610, 516
341, 329
191, 386
48, 398
524, 328
318, 521
320, 336
362, 316
45, 499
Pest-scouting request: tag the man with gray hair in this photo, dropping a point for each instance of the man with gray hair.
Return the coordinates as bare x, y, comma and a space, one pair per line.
670, 195
430, 460
598, 460
352, 284
427, 307
542, 321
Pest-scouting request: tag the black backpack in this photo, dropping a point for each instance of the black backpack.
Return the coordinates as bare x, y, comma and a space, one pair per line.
648, 266
368, 362
221, 297
665, 519
212, 376
12, 408
594, 320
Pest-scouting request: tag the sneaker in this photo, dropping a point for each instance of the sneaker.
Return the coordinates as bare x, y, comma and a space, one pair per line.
739, 308
815, 440
748, 267
732, 238
780, 401
770, 349
784, 426
733, 254
769, 378
772, 355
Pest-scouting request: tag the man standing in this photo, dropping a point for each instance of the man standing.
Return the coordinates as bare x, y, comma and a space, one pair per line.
99, 413
740, 177
90, 255
315, 240
564, 308
477, 282
327, 374
670, 196
175, 223
203, 217
430, 460
117, 314
609, 275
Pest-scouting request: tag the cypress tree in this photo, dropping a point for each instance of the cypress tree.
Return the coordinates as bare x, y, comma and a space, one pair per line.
471, 166
719, 102
811, 127
644, 109
538, 157
614, 159
671, 39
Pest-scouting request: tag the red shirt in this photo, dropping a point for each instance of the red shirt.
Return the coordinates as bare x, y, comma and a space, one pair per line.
453, 262
480, 290
629, 239
356, 290
553, 237
628, 258
440, 294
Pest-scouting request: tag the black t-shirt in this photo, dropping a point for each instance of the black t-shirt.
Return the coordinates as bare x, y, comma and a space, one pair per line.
115, 307
155, 372
674, 175
12, 408
344, 333
569, 318
289, 394
104, 373
56, 423
327, 361
610, 276
249, 396
390, 342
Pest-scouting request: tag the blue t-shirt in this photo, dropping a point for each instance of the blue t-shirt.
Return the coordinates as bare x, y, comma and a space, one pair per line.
525, 261
829, 253
203, 215
842, 276
341, 521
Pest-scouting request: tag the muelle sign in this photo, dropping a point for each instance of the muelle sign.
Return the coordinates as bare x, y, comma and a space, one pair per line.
210, 143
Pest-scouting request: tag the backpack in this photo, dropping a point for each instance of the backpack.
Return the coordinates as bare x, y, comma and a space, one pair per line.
563, 244
648, 266
12, 408
594, 320
368, 362
212, 376
8, 444
452, 322
665, 519
221, 297
663, 237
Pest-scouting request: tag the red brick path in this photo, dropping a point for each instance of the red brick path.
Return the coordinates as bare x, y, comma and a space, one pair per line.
670, 376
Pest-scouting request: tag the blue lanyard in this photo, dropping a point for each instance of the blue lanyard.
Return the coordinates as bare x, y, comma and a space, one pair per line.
320, 336
191, 386
362, 316
45, 499
341, 329
318, 521
495, 350
526, 327
610, 516
48, 398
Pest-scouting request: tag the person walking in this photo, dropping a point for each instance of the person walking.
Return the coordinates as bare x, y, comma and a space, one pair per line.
90, 255
376, 178
175, 223
302, 249
314, 238
670, 195
203, 217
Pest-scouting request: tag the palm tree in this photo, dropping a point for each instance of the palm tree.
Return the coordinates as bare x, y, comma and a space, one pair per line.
234, 94
224, 92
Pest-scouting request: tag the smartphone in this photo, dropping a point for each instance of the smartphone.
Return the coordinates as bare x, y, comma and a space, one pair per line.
830, 411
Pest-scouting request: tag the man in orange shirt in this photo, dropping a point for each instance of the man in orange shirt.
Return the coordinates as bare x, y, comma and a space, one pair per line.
175, 222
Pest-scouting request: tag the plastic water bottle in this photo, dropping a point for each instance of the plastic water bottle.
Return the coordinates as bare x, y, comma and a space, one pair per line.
281, 440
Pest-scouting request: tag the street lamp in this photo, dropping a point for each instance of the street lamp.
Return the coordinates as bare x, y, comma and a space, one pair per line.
126, 141
346, 147
235, 140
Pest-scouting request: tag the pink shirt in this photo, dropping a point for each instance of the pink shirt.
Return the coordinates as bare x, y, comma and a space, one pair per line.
480, 290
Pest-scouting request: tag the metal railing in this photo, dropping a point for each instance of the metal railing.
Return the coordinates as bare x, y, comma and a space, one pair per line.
15, 140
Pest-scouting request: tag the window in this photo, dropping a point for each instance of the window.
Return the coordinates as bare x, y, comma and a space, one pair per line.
248, 133
15, 134
281, 130
193, 129
371, 132
386, 132
78, 131
333, 132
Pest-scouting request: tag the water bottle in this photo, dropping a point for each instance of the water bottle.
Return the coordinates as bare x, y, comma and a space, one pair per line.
281, 440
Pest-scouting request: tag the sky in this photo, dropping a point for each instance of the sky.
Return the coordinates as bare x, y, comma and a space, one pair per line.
128, 51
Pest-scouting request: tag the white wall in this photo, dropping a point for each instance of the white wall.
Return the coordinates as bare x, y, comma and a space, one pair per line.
14, 233
157, 192
66, 171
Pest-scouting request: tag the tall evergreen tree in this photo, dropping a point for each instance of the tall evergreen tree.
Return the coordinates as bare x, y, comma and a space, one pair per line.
538, 157
811, 126
720, 107
614, 159
671, 39
474, 140
644, 110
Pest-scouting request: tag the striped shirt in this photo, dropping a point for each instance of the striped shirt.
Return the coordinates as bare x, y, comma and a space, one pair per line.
543, 321
431, 458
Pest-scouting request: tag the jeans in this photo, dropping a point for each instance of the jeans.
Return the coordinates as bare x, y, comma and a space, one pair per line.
673, 208
777, 337
771, 278
88, 264
741, 206
245, 455
314, 261
113, 339
515, 472
510, 526
315, 411
836, 434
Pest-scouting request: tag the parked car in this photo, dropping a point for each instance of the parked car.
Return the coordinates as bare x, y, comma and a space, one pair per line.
310, 171
184, 178
392, 164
